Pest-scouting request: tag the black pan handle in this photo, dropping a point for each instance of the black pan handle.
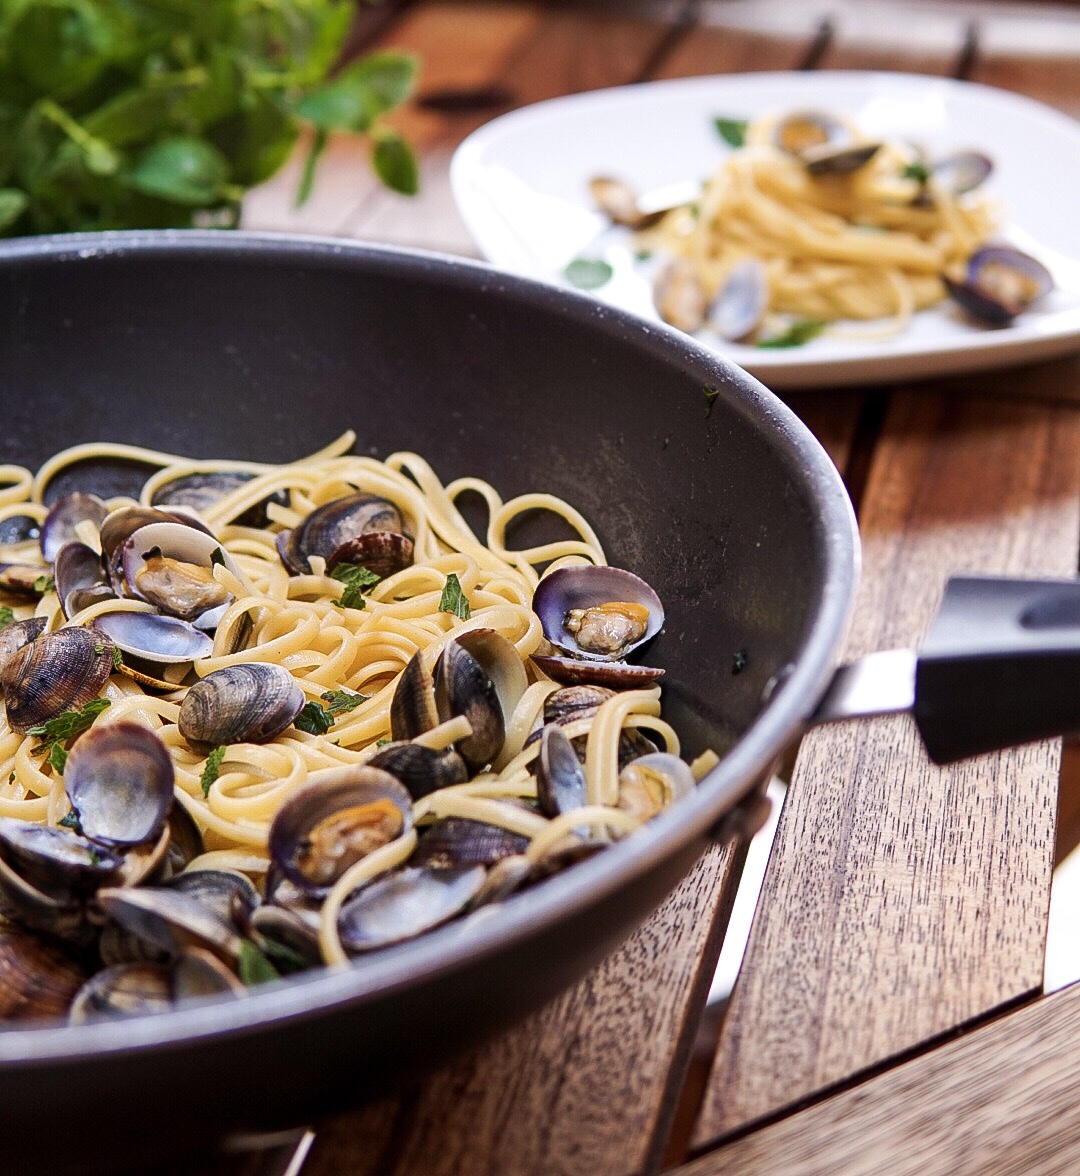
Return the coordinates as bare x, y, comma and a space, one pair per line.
999, 667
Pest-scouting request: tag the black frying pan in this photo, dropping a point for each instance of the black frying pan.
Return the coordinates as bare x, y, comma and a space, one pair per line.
694, 475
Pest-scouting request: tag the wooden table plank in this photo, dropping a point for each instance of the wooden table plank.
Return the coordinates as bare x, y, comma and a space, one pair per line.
586, 1085
903, 900
1001, 1100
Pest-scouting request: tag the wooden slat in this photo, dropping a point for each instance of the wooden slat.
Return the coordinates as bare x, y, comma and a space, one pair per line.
903, 900
1002, 1100
586, 1085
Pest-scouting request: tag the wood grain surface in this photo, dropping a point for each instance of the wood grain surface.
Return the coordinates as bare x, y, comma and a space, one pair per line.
1000, 1101
586, 1085
903, 900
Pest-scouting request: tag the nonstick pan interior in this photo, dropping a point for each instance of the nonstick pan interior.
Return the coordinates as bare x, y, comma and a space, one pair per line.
693, 475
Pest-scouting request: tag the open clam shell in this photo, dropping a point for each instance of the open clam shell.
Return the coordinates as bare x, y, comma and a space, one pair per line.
332, 822
171, 565
999, 283
119, 779
65, 515
571, 590
405, 904
333, 524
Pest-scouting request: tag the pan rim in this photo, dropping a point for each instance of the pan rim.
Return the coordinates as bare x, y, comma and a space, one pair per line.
445, 950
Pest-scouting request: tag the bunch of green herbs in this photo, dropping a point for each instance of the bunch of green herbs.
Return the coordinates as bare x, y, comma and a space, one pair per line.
120, 114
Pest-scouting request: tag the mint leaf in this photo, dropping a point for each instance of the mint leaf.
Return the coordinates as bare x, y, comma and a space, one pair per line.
395, 164
732, 130
314, 719
253, 967
62, 729
453, 600
588, 273
795, 336
357, 580
7, 617
340, 702
212, 768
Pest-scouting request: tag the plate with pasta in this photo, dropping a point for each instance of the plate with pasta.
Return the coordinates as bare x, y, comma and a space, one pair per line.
817, 229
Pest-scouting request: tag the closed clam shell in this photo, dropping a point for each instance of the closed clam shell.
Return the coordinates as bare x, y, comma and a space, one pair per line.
383, 553
56, 672
38, 978
421, 769
246, 703
119, 779
460, 841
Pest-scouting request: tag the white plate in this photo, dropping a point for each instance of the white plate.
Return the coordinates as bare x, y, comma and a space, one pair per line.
521, 184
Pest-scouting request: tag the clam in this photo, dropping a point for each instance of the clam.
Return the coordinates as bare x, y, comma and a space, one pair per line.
29, 581
282, 931
405, 904
228, 893
122, 523
652, 783
998, 284
172, 566
679, 296
57, 862
412, 708
596, 616
961, 172
197, 974
79, 577
332, 822
38, 978
123, 990
200, 490
421, 769
480, 675
617, 200
560, 778
824, 143
54, 673
155, 640
170, 920
382, 552
25, 904
460, 841
119, 779
329, 526
251, 702
60, 525
737, 308
19, 633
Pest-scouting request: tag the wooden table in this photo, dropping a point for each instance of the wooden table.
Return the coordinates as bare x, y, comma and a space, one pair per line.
889, 1014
